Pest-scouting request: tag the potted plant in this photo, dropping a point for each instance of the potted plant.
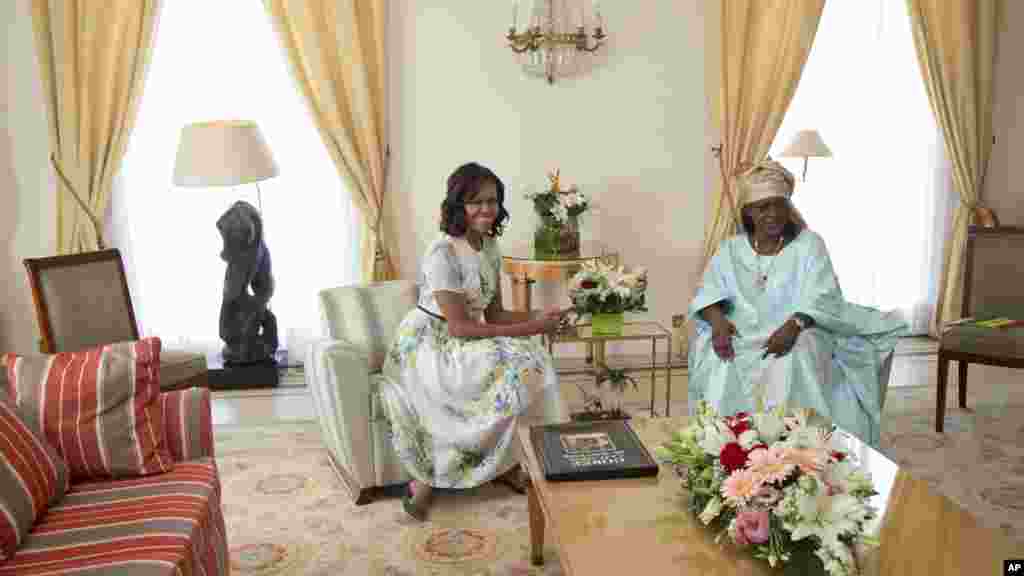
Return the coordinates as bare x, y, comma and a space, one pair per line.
606, 293
558, 210
594, 407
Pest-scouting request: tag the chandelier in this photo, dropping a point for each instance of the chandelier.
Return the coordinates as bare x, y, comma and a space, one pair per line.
555, 36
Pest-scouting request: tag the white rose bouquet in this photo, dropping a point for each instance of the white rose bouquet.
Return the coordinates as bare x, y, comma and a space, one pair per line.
599, 288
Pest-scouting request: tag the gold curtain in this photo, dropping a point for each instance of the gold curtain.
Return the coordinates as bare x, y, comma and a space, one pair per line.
93, 58
956, 44
765, 44
336, 54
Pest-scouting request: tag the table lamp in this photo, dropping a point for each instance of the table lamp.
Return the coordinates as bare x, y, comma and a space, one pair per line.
231, 153
806, 144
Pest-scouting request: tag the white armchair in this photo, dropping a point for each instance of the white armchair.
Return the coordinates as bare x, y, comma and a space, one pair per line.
343, 372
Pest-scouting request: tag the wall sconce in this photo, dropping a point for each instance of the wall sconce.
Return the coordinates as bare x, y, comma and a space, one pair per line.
553, 38
806, 144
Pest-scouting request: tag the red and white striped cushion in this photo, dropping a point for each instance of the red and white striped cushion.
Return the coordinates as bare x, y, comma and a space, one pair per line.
32, 475
169, 524
98, 407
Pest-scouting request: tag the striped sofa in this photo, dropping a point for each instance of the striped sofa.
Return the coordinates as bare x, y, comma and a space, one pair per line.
165, 524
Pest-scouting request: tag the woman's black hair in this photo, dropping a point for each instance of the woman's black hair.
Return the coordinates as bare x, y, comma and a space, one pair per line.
465, 182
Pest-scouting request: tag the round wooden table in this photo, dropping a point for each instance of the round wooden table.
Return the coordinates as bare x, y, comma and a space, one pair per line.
526, 267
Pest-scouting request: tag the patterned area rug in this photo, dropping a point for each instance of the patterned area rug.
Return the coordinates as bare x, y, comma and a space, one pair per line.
978, 460
288, 514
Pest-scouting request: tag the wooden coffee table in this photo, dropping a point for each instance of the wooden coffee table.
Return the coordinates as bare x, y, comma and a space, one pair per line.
641, 526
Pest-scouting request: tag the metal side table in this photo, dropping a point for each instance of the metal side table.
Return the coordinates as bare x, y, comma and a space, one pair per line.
646, 330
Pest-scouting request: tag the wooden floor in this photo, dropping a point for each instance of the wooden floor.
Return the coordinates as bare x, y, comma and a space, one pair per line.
914, 365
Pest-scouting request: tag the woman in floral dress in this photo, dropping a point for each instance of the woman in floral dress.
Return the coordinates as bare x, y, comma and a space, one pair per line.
462, 374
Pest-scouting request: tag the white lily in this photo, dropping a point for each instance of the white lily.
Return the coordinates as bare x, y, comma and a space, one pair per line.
828, 517
770, 425
748, 439
715, 438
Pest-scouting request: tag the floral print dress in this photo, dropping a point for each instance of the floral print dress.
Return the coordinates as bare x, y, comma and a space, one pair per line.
454, 404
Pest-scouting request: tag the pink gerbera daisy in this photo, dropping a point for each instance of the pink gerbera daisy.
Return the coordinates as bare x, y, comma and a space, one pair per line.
770, 465
808, 460
740, 486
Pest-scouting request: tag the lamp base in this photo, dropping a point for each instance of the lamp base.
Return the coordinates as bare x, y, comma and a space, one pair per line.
232, 376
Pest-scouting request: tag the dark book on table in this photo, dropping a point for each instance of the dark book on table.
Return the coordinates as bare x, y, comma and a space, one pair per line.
592, 451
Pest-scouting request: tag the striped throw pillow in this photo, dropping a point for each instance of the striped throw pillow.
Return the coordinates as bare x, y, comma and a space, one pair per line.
32, 475
98, 407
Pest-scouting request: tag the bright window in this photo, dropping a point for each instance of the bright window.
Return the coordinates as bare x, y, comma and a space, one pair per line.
222, 60
883, 202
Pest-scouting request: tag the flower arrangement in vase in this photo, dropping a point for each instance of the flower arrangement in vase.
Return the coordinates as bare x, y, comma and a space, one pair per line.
558, 210
605, 293
777, 485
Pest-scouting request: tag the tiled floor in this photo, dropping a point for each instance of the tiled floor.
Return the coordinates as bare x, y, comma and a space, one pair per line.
914, 365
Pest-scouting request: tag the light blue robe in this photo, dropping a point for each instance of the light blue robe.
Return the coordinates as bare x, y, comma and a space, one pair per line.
836, 367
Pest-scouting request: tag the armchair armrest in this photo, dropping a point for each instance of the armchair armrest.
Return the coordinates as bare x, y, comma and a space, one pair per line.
338, 376
188, 423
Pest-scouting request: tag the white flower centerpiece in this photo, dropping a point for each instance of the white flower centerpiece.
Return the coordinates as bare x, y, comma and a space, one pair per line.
606, 292
774, 484
558, 210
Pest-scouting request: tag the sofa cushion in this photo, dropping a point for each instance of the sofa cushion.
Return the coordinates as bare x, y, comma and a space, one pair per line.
368, 315
98, 407
1005, 343
179, 369
165, 524
32, 475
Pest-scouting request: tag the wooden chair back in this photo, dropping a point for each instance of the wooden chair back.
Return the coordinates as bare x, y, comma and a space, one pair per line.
81, 300
993, 274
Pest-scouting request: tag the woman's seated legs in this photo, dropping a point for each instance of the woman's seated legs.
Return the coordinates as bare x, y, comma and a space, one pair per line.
800, 379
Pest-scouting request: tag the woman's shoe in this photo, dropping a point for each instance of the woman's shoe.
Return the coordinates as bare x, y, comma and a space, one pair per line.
414, 506
514, 479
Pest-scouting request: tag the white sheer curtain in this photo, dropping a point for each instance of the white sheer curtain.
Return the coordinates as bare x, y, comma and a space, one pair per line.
883, 202
222, 60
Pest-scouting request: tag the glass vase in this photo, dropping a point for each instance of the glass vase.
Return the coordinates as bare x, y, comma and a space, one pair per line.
607, 324
552, 240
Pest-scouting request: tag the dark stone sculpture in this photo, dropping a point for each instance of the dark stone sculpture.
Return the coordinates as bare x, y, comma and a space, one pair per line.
248, 328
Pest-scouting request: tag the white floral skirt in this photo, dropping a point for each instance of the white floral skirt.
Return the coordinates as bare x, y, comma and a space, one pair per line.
454, 404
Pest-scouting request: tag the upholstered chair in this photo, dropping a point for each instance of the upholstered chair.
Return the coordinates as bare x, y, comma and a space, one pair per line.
993, 277
343, 372
82, 301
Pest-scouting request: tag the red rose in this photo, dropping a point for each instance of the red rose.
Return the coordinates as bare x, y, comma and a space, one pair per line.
733, 457
588, 284
739, 427
738, 423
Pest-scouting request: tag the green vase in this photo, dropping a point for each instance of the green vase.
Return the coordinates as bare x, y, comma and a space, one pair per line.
554, 241
607, 324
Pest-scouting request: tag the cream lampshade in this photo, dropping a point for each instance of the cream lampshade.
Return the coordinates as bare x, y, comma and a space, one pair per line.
806, 144
222, 153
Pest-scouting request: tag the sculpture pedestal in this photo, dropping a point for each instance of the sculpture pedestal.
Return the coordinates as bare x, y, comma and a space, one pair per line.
224, 376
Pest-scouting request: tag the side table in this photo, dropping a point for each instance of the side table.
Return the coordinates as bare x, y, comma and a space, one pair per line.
647, 330
525, 267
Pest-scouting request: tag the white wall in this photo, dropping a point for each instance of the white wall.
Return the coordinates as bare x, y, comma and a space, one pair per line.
631, 134
1004, 186
27, 201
